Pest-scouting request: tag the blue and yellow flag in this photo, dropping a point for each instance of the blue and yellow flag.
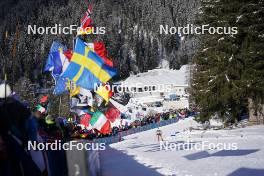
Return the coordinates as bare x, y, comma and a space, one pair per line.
60, 85
86, 68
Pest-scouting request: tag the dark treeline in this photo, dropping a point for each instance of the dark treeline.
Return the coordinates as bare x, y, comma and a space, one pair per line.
228, 76
132, 33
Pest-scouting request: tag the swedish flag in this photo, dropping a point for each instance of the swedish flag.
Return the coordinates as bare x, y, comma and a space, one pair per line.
87, 68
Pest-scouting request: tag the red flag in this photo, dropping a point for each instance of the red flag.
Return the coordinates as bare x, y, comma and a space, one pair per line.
106, 129
86, 23
68, 53
112, 113
85, 120
86, 19
44, 99
99, 48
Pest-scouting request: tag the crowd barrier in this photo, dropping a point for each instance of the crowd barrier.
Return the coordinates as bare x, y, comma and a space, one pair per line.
118, 137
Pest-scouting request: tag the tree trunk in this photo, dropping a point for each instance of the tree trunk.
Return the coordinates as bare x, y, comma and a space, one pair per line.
256, 112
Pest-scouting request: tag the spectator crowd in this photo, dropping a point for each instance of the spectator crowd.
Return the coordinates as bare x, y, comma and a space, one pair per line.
18, 125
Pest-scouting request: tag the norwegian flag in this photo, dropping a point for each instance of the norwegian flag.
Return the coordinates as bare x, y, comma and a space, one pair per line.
86, 20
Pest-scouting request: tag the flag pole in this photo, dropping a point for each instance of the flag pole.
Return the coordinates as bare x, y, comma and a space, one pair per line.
5, 84
5, 76
60, 107
14, 50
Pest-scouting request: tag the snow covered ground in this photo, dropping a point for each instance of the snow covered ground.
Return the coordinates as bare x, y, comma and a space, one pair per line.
142, 154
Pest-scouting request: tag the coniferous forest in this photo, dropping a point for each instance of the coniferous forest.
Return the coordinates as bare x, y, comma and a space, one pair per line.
229, 73
132, 32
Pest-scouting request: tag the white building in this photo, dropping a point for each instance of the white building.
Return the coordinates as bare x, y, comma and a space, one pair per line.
159, 86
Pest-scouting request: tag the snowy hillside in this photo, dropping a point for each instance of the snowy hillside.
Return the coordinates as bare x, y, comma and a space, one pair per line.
160, 76
142, 152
